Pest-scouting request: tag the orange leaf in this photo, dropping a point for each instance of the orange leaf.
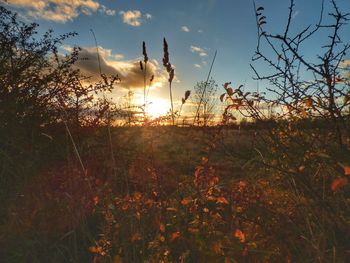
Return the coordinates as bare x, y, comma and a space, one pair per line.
308, 102
229, 91
149, 202
162, 228
136, 237
96, 200
186, 201
222, 200
137, 196
339, 183
226, 84
242, 184
240, 235
345, 168
94, 249
174, 236
217, 248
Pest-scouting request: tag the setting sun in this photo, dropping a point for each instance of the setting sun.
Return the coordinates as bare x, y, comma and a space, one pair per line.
157, 107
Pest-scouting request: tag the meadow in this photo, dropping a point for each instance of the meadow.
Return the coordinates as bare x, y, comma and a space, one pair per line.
75, 187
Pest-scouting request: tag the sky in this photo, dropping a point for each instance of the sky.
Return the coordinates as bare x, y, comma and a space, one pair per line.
194, 30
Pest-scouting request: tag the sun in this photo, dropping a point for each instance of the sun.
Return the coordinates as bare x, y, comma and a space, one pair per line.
157, 107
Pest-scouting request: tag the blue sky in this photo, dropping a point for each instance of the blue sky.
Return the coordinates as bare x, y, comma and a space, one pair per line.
194, 29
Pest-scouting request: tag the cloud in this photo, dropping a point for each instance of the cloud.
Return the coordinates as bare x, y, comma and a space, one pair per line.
345, 64
58, 10
200, 51
197, 66
134, 17
107, 11
112, 64
185, 29
200, 31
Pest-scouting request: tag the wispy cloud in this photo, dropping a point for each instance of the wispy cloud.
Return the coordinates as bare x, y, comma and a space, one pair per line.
197, 66
200, 51
148, 16
200, 31
185, 29
134, 17
107, 11
59, 10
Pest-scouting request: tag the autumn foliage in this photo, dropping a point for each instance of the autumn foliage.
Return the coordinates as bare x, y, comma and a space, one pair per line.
75, 188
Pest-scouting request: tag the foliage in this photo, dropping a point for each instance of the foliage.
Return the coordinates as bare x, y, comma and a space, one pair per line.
76, 189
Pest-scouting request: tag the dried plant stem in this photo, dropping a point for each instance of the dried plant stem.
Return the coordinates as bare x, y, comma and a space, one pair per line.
177, 120
144, 85
172, 104
98, 54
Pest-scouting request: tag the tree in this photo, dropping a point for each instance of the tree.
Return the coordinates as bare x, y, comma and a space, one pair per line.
39, 86
39, 91
302, 160
205, 101
307, 87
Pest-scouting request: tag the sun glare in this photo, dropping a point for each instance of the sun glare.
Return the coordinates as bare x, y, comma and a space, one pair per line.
157, 107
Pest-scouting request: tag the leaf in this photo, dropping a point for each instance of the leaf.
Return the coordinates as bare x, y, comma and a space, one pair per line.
183, 101
226, 84
262, 23
222, 97
304, 113
242, 184
136, 237
186, 201
222, 200
94, 249
308, 102
174, 236
339, 183
345, 168
240, 235
260, 8
137, 196
229, 91
217, 248
162, 228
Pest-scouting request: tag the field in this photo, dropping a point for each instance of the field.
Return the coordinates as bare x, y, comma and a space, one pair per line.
169, 194
110, 157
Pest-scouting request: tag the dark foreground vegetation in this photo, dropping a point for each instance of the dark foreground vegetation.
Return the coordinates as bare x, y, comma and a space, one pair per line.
76, 189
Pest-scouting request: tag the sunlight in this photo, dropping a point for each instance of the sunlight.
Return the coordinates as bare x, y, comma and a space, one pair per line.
157, 107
